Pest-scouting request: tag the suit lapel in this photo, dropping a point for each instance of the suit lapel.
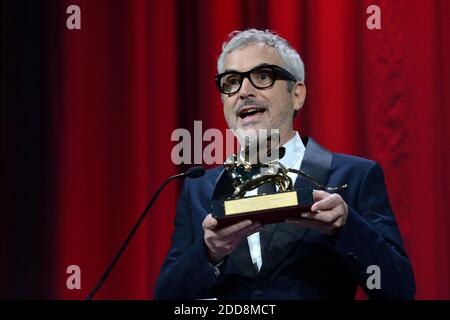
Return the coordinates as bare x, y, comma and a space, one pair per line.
241, 255
316, 162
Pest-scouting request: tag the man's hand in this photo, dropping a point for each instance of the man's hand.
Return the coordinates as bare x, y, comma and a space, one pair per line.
223, 241
328, 213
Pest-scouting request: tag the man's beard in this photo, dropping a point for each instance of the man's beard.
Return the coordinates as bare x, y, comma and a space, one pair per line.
250, 135
247, 137
258, 143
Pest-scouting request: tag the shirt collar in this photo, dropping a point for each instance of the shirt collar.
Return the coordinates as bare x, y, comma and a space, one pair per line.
295, 150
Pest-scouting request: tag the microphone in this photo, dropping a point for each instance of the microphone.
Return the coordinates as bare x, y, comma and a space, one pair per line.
193, 173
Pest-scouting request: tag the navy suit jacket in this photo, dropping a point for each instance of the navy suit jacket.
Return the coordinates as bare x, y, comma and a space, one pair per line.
298, 263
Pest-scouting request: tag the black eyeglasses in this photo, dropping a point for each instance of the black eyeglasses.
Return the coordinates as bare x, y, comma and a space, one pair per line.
261, 77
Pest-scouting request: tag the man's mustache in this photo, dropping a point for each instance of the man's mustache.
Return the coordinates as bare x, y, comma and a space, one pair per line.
250, 102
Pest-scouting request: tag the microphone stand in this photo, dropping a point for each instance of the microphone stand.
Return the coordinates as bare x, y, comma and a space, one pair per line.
133, 231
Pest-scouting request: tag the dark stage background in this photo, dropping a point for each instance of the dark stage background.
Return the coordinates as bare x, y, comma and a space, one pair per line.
87, 116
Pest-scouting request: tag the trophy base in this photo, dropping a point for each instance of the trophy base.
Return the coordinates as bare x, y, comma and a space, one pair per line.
267, 209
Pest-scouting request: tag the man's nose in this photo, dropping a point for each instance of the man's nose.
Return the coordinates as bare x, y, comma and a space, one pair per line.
247, 89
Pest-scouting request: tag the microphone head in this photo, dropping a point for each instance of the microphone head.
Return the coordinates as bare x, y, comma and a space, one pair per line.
196, 172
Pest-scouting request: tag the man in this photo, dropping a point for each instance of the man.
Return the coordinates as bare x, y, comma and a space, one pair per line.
324, 254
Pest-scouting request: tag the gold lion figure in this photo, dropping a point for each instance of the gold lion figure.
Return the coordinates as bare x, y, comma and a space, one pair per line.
246, 176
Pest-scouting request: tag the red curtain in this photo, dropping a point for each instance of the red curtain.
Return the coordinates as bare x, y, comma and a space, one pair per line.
137, 70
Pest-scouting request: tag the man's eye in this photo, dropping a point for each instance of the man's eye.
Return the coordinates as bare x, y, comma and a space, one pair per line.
232, 80
263, 75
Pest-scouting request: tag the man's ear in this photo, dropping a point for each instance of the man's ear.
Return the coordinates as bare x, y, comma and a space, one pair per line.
299, 95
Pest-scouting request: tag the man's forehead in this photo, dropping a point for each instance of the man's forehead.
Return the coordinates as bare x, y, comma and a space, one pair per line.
247, 57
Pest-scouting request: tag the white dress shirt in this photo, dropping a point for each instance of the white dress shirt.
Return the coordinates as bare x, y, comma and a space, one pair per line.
295, 150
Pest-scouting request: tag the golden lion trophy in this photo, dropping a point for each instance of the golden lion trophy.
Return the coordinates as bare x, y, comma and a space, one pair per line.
266, 208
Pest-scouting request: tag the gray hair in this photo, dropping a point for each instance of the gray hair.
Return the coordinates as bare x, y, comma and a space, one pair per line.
239, 39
